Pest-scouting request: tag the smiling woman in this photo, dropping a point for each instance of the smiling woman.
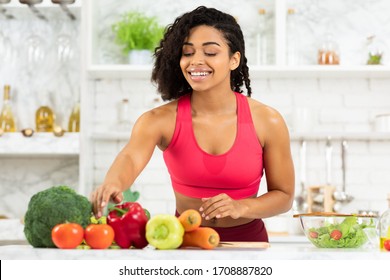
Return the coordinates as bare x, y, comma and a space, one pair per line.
217, 143
203, 59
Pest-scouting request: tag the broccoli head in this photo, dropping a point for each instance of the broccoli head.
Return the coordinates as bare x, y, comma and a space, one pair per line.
55, 205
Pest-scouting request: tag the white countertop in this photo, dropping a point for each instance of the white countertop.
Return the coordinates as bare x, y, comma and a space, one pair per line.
277, 251
281, 248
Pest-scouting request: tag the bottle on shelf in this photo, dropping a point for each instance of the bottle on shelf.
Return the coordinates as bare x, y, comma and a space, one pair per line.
262, 50
384, 226
45, 117
292, 55
328, 53
74, 119
7, 120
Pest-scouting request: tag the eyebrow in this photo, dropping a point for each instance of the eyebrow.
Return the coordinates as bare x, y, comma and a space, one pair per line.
204, 44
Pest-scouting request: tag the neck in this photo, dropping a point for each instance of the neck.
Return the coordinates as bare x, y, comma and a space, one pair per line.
205, 102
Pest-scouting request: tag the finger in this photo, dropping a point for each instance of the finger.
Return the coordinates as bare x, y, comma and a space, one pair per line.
96, 202
211, 204
216, 209
105, 198
100, 202
223, 213
118, 198
231, 209
217, 214
204, 199
93, 201
210, 200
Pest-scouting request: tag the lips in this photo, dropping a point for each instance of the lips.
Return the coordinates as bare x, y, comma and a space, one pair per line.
199, 74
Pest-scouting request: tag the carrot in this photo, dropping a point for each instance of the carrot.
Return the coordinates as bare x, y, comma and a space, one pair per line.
190, 219
203, 237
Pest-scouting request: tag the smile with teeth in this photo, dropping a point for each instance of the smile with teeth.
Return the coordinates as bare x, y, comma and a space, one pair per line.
199, 73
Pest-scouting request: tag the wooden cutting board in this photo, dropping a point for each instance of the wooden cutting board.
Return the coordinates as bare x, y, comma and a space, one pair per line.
255, 245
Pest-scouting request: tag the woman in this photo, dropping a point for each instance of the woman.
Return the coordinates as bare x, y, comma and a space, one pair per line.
216, 142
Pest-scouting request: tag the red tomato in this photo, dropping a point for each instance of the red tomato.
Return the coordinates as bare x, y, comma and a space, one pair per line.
68, 235
386, 244
336, 234
99, 236
313, 234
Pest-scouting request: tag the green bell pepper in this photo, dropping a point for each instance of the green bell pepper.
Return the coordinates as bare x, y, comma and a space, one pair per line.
164, 232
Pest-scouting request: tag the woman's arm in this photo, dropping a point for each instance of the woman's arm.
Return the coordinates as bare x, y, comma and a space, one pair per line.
279, 172
130, 161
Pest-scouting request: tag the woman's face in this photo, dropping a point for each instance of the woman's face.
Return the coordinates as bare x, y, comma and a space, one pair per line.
206, 61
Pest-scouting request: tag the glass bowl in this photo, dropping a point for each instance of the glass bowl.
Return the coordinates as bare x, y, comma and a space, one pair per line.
333, 230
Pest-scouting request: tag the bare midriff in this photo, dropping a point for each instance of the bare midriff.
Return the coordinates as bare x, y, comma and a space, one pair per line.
184, 202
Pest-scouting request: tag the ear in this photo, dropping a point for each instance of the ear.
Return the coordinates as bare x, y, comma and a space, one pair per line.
235, 61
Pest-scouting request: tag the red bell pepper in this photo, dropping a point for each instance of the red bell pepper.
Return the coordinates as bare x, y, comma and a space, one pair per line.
129, 223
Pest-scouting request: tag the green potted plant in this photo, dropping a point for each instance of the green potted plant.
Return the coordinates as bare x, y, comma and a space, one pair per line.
138, 35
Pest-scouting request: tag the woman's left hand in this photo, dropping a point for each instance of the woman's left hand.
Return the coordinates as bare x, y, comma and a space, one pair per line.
221, 206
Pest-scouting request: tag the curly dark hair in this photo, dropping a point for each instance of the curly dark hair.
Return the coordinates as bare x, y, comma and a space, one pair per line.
167, 73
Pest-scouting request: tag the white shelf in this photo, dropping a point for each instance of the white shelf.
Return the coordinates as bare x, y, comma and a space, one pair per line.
45, 4
118, 71
40, 144
337, 136
111, 136
309, 136
320, 71
264, 72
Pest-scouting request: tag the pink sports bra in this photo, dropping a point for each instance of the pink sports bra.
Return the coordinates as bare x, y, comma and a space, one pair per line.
196, 173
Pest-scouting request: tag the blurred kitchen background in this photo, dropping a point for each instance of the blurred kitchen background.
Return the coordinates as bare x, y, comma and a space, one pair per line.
63, 53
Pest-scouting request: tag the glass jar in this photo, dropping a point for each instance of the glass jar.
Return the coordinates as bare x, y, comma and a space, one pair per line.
384, 226
328, 52
374, 50
262, 39
291, 38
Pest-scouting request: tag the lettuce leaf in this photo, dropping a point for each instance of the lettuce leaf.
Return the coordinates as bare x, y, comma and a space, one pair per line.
353, 235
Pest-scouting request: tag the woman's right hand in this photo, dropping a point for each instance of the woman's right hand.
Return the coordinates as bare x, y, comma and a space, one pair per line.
150, 130
103, 194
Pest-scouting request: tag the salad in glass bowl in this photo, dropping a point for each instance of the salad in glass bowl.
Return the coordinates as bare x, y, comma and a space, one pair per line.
334, 230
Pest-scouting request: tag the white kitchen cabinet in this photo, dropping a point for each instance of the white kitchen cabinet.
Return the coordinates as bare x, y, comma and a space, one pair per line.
40, 144
31, 164
96, 68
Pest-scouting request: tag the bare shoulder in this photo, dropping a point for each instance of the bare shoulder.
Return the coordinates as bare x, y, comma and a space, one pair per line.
264, 113
159, 115
158, 124
267, 120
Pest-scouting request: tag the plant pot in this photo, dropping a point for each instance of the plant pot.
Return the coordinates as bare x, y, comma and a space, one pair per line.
140, 57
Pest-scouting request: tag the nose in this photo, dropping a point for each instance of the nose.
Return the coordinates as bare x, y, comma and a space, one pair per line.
197, 59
